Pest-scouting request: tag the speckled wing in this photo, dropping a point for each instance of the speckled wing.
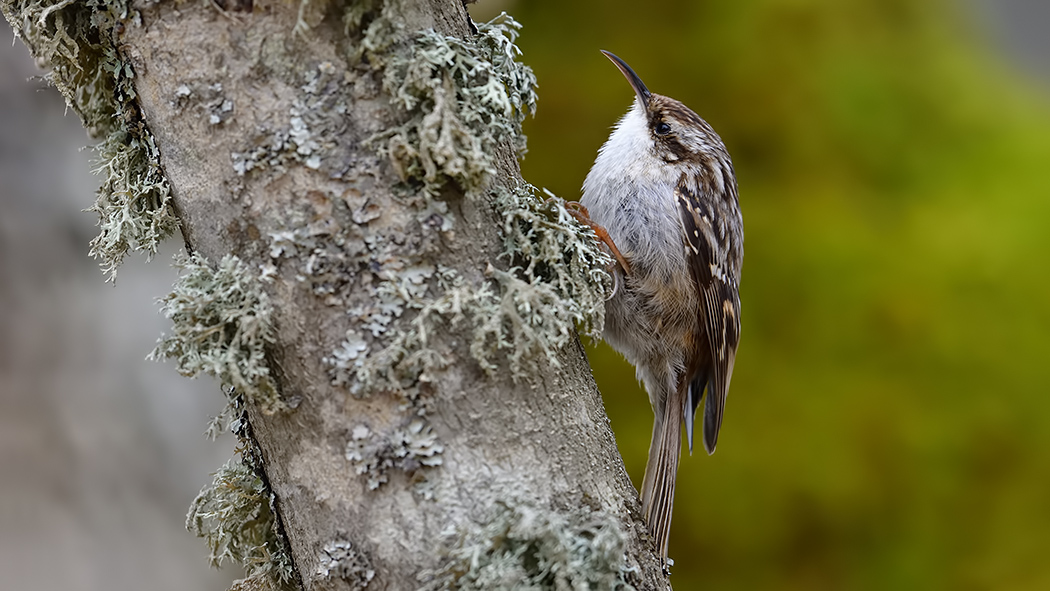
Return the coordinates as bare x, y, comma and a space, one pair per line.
709, 248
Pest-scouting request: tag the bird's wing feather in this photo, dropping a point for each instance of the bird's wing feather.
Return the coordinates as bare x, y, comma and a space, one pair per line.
707, 255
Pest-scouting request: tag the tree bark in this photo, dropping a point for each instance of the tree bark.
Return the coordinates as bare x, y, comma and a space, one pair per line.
261, 115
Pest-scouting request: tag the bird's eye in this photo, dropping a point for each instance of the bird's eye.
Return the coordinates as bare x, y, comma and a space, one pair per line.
662, 128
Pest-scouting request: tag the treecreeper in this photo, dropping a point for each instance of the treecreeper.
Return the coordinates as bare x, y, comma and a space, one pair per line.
662, 194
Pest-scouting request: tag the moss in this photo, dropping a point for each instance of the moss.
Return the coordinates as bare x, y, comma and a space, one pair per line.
461, 99
522, 548
234, 514
222, 322
77, 40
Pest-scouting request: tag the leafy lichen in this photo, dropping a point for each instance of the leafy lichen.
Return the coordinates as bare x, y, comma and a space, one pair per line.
222, 322
373, 27
341, 559
523, 548
78, 41
133, 202
407, 448
550, 246
309, 136
234, 514
462, 100
526, 314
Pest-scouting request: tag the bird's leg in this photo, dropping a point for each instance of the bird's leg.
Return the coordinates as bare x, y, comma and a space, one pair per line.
584, 217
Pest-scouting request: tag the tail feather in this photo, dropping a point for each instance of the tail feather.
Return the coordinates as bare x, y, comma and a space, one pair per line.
713, 408
661, 471
695, 394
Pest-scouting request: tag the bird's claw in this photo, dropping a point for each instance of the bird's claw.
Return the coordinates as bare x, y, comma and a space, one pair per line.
578, 211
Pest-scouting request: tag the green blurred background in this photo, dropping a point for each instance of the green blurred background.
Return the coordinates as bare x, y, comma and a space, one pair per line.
888, 425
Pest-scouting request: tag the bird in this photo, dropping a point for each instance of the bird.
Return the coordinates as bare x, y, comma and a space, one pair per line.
663, 192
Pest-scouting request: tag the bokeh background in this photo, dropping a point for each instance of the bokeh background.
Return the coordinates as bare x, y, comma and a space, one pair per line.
888, 425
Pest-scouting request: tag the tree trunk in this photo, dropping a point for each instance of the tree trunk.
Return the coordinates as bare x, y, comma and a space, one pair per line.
419, 422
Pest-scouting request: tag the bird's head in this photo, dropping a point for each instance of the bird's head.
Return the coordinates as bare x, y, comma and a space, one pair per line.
673, 131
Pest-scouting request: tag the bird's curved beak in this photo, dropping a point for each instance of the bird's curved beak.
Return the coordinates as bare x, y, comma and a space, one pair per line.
636, 82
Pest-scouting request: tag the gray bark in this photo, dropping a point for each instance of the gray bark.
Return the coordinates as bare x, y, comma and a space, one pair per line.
212, 87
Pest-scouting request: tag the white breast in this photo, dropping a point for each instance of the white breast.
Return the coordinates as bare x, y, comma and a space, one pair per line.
630, 192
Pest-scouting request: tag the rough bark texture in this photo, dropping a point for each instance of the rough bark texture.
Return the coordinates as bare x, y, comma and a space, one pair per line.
216, 88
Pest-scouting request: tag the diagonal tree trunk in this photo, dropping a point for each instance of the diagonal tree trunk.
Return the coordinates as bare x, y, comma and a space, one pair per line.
391, 307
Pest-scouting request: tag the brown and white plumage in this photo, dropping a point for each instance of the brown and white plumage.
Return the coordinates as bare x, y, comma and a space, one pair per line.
663, 187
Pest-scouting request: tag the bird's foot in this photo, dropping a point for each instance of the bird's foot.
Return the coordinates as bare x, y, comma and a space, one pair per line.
584, 217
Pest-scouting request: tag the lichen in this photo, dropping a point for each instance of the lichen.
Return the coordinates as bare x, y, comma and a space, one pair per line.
557, 283
221, 324
309, 135
549, 245
373, 27
311, 13
462, 100
340, 559
524, 548
209, 100
408, 448
78, 41
527, 320
234, 514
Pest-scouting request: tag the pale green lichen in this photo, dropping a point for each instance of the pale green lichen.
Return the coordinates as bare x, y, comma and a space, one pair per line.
408, 448
202, 99
77, 40
550, 246
524, 548
374, 27
314, 120
462, 102
134, 201
525, 315
340, 559
222, 322
463, 99
411, 356
326, 261
528, 321
234, 514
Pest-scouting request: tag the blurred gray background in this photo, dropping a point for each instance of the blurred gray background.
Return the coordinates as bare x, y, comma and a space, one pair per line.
101, 452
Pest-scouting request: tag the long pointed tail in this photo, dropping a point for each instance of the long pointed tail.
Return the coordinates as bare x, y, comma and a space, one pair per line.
661, 470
